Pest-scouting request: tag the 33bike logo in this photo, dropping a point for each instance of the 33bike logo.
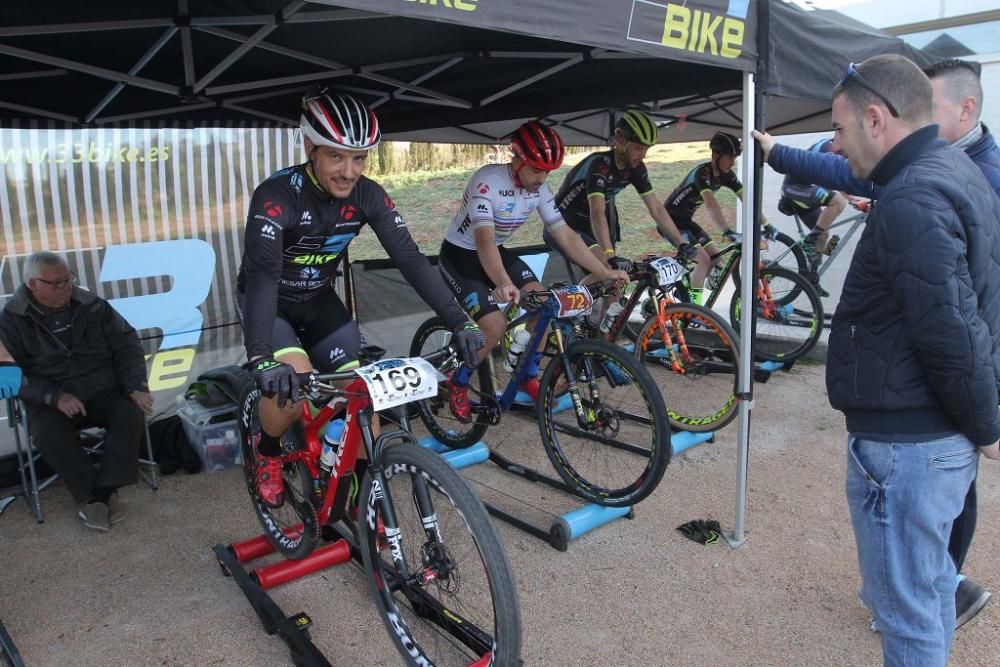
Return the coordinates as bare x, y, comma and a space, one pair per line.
682, 26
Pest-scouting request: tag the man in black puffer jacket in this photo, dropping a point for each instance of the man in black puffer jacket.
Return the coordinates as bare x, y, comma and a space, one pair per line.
914, 352
83, 366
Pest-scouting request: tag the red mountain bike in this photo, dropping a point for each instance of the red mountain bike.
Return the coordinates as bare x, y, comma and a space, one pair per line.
429, 550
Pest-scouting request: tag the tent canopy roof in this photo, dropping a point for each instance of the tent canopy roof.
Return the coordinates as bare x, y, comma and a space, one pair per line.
463, 76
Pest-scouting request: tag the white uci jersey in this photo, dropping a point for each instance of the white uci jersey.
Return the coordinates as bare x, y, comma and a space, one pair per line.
491, 199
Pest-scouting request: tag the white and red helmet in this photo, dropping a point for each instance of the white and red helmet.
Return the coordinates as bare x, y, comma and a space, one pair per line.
538, 145
339, 121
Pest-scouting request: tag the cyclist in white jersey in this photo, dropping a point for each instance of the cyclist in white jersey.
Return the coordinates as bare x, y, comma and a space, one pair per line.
479, 270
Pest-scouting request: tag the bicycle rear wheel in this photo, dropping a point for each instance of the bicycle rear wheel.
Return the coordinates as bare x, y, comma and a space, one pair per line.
435, 412
293, 528
616, 451
436, 569
782, 250
693, 356
789, 317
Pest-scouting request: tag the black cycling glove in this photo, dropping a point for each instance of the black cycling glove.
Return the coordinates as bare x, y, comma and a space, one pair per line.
701, 531
687, 252
275, 378
468, 341
620, 263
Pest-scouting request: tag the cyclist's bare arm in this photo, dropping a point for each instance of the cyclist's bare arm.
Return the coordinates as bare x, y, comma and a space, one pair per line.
715, 210
599, 220
662, 218
577, 251
489, 257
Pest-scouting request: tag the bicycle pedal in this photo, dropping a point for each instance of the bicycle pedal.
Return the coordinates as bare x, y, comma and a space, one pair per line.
301, 621
831, 245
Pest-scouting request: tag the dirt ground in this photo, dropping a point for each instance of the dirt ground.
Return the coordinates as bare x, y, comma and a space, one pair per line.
634, 592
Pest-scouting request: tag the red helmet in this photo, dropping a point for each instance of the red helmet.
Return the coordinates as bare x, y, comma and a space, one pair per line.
538, 145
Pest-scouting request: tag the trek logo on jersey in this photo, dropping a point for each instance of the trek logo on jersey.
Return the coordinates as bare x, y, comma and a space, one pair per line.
268, 231
347, 211
307, 218
272, 209
483, 188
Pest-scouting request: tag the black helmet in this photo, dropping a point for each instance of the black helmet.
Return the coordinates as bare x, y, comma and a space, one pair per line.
339, 121
726, 144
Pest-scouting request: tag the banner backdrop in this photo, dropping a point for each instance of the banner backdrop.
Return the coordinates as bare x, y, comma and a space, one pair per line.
150, 219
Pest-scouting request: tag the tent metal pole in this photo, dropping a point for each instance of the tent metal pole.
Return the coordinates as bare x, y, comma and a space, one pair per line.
751, 236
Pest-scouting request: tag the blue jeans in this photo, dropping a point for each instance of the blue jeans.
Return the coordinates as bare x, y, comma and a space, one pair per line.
903, 498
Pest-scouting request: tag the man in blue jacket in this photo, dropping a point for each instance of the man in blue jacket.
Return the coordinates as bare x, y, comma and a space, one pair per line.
919, 412
958, 101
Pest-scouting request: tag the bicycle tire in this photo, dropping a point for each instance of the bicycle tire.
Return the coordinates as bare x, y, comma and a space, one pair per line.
618, 472
468, 559
790, 325
293, 528
793, 257
435, 412
698, 375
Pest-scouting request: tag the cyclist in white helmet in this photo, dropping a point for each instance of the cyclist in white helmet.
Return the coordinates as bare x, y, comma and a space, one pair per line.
300, 222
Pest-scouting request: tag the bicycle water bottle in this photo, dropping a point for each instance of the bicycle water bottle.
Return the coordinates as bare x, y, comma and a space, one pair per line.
331, 444
609, 318
713, 278
520, 341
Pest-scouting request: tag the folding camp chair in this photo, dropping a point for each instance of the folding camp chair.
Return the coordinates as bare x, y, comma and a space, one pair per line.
92, 440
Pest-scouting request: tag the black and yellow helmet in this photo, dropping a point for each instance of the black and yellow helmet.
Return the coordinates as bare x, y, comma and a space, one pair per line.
637, 126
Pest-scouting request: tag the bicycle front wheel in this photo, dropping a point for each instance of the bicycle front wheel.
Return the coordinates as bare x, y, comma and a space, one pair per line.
292, 528
612, 444
435, 412
789, 315
693, 356
436, 569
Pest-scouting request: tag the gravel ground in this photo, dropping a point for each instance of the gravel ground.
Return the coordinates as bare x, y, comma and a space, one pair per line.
632, 592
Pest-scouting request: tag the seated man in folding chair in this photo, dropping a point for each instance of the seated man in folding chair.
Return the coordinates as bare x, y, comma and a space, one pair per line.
83, 366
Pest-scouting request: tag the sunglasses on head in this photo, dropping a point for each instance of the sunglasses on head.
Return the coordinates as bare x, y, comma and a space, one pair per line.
852, 74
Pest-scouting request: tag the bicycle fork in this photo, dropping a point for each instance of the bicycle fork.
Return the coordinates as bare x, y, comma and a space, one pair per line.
433, 562
676, 362
584, 416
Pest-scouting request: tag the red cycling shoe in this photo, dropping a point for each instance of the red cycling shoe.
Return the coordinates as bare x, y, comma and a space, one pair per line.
458, 401
270, 483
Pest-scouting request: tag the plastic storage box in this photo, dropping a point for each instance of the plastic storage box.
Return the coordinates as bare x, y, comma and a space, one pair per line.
213, 432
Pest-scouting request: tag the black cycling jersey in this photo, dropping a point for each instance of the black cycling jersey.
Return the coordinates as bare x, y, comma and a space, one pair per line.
596, 174
686, 197
296, 235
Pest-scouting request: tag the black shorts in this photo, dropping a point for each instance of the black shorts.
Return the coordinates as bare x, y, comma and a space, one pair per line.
463, 273
804, 201
321, 327
690, 230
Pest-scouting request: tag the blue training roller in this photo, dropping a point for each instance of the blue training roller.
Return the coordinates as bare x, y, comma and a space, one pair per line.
579, 521
457, 458
770, 366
